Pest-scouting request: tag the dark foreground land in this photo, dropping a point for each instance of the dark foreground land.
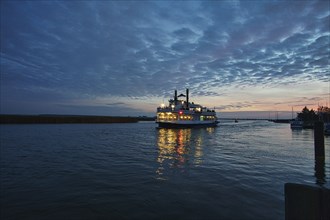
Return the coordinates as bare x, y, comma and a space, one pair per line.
63, 119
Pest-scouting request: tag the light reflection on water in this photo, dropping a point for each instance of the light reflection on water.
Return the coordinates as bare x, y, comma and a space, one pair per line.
178, 147
246, 144
135, 171
173, 148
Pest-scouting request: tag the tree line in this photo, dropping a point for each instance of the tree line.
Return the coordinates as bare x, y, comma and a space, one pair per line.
322, 114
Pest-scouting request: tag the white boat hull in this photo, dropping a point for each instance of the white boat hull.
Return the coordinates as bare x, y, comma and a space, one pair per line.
186, 124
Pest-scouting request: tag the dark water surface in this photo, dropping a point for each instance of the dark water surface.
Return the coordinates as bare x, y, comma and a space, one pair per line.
135, 171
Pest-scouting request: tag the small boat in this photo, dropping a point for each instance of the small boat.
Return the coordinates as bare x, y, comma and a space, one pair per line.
327, 128
181, 113
236, 121
296, 124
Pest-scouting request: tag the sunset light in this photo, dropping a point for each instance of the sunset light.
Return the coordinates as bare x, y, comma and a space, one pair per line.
123, 58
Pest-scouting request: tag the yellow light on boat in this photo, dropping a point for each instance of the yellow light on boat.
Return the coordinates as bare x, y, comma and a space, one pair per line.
162, 105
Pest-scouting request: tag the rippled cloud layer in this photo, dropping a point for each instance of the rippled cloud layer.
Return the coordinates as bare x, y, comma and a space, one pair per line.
123, 57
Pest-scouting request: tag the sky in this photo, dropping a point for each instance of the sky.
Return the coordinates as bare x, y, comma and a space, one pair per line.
127, 57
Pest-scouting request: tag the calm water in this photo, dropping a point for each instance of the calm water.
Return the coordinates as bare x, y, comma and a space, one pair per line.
135, 171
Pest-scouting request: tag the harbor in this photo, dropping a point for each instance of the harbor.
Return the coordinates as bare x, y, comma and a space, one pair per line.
187, 110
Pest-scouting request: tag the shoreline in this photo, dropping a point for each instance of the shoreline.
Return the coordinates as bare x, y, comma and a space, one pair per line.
69, 119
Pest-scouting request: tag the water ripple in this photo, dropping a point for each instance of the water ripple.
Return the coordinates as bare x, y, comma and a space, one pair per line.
134, 171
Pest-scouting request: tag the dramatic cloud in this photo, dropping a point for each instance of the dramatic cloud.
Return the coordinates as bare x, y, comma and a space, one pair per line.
72, 57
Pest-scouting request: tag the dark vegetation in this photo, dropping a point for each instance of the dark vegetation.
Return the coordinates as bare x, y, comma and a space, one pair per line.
309, 117
64, 119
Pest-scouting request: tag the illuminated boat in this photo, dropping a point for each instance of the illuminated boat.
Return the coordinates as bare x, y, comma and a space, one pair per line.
181, 113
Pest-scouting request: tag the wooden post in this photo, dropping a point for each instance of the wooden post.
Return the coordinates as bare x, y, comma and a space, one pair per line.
306, 202
319, 140
320, 171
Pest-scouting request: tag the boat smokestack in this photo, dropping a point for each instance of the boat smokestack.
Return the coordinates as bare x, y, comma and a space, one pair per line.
175, 97
187, 97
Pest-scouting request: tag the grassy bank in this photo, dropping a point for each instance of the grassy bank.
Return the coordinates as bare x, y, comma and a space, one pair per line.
64, 119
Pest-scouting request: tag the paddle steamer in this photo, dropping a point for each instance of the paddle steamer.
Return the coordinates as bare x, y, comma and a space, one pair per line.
181, 113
